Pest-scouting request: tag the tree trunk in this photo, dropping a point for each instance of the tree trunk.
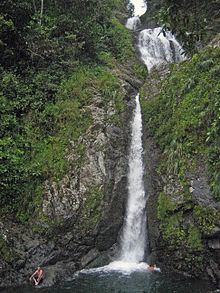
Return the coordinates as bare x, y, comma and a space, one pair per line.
34, 6
41, 10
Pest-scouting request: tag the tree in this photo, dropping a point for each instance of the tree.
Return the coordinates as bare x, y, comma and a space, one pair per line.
14, 16
188, 20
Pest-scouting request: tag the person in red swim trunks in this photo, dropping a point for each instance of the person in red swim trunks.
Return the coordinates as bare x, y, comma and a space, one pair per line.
151, 268
37, 276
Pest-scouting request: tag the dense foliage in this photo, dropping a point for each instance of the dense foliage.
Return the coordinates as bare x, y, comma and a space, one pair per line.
184, 118
184, 121
52, 54
189, 20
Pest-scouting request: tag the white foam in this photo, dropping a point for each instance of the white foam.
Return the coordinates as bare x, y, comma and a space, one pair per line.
155, 47
127, 267
140, 7
123, 267
133, 23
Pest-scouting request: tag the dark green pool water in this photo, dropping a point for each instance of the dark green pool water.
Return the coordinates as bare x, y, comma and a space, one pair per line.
136, 282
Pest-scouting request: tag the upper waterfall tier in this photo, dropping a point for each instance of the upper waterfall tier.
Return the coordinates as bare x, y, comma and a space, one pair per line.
133, 23
140, 7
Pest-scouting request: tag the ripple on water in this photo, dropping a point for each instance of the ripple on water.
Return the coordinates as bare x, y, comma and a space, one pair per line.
109, 279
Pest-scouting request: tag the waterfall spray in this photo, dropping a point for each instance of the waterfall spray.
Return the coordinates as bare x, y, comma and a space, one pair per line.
134, 231
155, 47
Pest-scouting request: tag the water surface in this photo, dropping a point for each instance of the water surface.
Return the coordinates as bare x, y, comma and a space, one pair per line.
136, 282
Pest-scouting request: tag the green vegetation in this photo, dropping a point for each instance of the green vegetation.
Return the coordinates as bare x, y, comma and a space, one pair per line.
7, 253
53, 58
183, 119
91, 209
185, 249
166, 206
206, 218
190, 20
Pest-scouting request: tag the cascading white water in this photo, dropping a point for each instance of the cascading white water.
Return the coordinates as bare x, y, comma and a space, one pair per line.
140, 8
133, 23
134, 231
155, 47
133, 239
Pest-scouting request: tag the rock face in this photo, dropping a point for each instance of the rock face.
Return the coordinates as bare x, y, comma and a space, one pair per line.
153, 182
190, 205
80, 216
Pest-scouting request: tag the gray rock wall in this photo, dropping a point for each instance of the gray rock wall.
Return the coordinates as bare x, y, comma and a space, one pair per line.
81, 215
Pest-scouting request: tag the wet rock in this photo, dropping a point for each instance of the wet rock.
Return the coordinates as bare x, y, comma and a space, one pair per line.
162, 67
89, 257
214, 244
83, 213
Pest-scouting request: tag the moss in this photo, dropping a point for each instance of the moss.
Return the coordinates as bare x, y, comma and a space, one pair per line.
184, 248
6, 252
47, 227
194, 238
141, 70
165, 206
183, 117
91, 209
185, 241
206, 218
170, 221
172, 231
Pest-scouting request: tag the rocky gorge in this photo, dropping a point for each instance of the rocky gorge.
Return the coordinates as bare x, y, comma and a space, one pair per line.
82, 214
78, 219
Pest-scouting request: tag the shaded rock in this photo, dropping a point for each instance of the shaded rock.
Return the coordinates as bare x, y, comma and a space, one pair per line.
214, 244
162, 67
89, 257
215, 232
199, 188
82, 214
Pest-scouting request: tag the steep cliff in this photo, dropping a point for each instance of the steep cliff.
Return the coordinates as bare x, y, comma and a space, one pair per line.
71, 125
79, 216
68, 79
181, 136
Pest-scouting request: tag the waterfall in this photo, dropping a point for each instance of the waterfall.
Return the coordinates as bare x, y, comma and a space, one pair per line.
140, 8
155, 47
133, 238
133, 23
134, 232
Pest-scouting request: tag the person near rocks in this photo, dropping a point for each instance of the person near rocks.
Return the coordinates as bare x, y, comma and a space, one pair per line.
151, 268
37, 276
